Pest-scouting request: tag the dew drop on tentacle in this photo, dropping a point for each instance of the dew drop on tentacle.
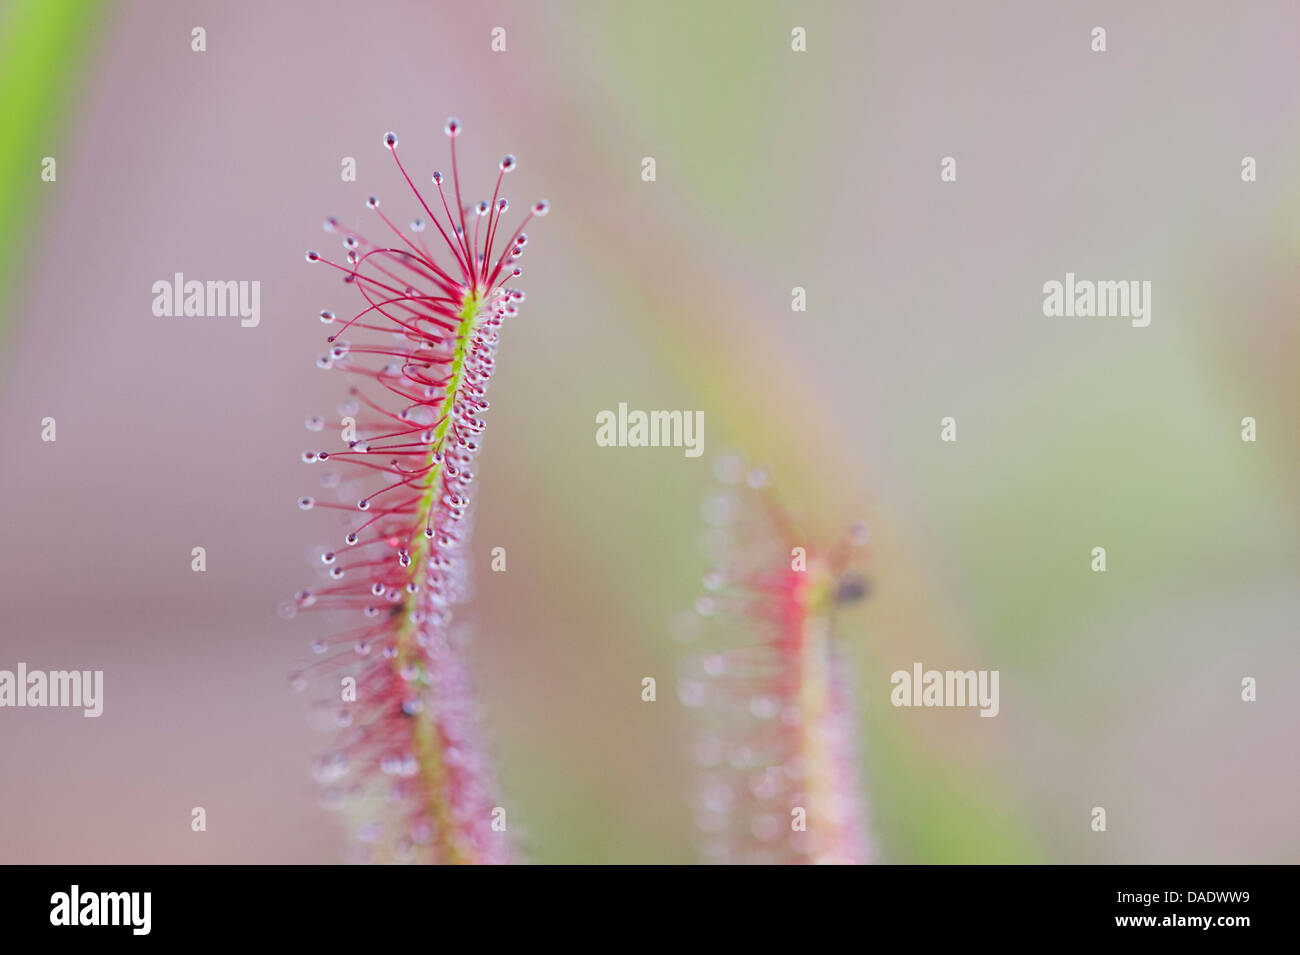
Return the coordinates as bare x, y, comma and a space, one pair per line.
507, 163
437, 179
729, 468
692, 693
482, 208
390, 140
331, 768
452, 127
313, 256
306, 503
327, 317
417, 225
315, 422
331, 224
713, 665
720, 510
419, 414
542, 207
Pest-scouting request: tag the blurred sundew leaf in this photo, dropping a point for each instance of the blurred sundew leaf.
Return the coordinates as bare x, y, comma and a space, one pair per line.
42, 43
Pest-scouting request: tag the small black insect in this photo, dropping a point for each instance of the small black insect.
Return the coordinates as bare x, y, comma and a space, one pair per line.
851, 588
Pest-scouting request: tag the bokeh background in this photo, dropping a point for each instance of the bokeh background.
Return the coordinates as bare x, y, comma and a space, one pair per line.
774, 169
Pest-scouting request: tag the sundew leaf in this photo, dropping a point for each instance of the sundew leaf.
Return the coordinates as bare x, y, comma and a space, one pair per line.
771, 688
410, 766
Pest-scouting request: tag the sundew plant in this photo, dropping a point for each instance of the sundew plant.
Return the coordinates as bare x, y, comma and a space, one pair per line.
770, 688
410, 766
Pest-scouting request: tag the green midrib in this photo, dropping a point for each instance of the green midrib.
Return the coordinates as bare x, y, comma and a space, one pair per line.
425, 733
